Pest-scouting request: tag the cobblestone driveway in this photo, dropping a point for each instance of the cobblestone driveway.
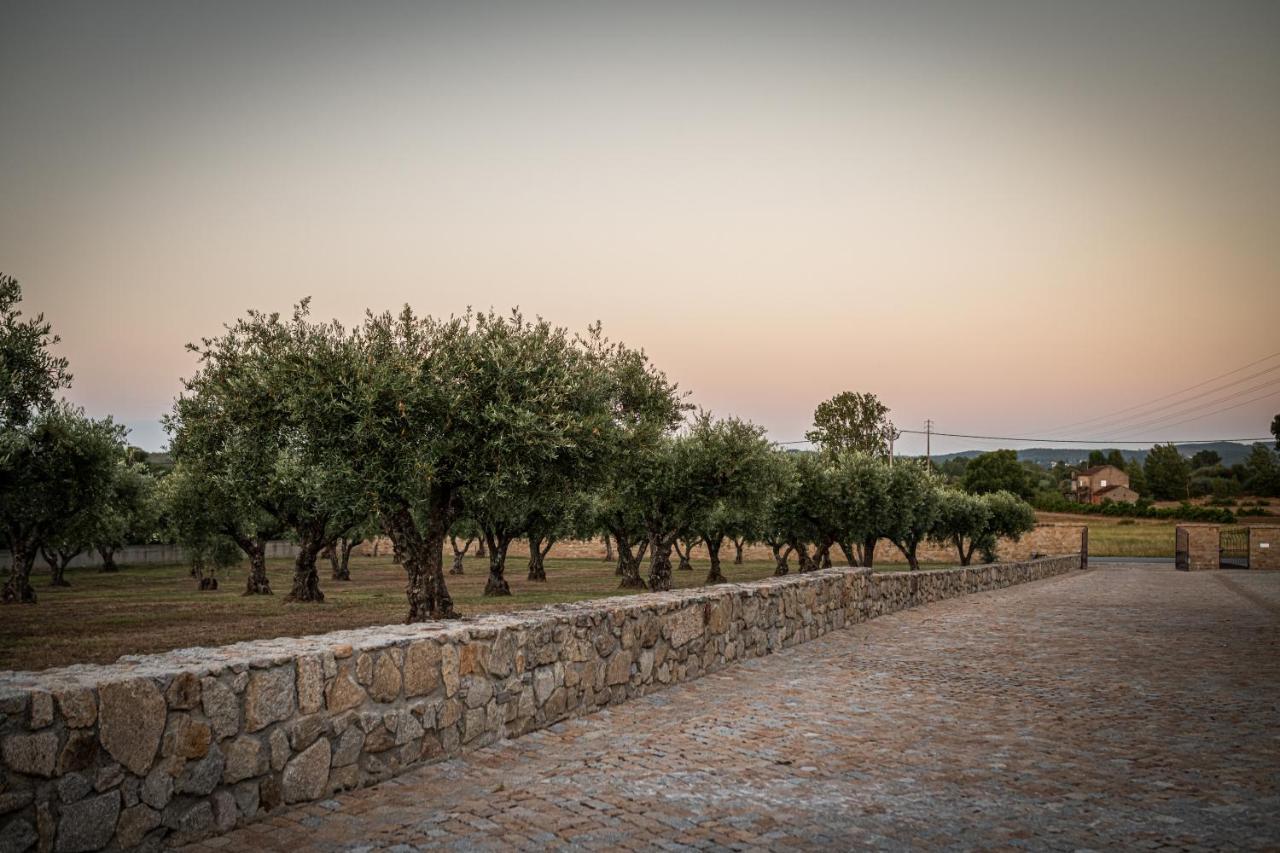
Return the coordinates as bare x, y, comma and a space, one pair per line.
1130, 706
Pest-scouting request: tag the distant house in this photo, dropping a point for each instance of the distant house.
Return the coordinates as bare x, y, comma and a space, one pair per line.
1102, 483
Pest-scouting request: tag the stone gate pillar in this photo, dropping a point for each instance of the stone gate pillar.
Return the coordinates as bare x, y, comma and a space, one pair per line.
1201, 544
1264, 547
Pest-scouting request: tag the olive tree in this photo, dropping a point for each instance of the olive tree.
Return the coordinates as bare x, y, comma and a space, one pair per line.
647, 407
466, 416
735, 459
29, 373
780, 518
667, 497
913, 507
184, 495
963, 522
127, 515
55, 466
1010, 518
242, 421
557, 516
466, 530
863, 488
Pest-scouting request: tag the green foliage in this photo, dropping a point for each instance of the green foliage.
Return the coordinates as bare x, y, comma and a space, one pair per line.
1138, 478
29, 373
54, 469
1263, 471
1011, 517
737, 459
1096, 458
1205, 459
997, 471
977, 522
130, 512
1167, 474
914, 507
1275, 430
963, 521
1116, 459
1052, 502
852, 421
243, 422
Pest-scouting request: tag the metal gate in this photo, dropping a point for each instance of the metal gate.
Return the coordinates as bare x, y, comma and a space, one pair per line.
1233, 548
1182, 552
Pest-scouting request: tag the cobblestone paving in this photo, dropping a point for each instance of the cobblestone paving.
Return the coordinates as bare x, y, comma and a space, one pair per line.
1127, 707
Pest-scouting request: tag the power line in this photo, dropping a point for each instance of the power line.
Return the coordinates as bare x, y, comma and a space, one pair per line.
1162, 421
1139, 420
1219, 411
1111, 415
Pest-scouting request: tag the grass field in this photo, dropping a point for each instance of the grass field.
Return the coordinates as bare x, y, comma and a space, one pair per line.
1110, 537
156, 608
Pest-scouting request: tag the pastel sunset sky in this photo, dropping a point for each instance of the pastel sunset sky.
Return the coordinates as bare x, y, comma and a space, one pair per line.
1002, 216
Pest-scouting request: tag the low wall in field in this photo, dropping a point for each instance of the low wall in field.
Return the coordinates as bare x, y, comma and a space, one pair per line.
145, 555
177, 746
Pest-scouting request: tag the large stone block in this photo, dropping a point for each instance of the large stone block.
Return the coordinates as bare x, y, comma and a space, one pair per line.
131, 720
269, 698
385, 685
684, 625
307, 775
88, 824
310, 684
343, 694
221, 706
421, 668
34, 755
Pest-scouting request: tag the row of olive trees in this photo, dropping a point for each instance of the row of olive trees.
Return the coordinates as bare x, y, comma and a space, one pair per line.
312, 431
481, 426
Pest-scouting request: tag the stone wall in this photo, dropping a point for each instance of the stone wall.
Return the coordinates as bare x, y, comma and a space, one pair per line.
164, 748
1264, 547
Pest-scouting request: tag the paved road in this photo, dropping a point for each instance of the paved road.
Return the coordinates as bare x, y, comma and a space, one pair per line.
1129, 706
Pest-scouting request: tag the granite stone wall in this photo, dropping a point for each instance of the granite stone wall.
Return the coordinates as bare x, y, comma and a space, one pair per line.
164, 748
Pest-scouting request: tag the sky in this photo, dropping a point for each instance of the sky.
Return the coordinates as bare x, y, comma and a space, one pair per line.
1007, 217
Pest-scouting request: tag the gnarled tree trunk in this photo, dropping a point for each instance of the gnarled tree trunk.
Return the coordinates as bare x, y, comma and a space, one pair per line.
58, 560
18, 589
306, 579
108, 559
737, 550
908, 550
608, 548
713, 551
422, 555
538, 557
345, 547
781, 556
807, 562
629, 562
458, 553
257, 583
659, 563
866, 551
496, 584
684, 564
850, 558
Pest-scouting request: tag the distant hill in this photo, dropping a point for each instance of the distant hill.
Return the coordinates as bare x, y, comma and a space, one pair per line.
1230, 451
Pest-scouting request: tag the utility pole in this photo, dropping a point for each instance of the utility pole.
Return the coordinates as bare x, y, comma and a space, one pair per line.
928, 440
893, 434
